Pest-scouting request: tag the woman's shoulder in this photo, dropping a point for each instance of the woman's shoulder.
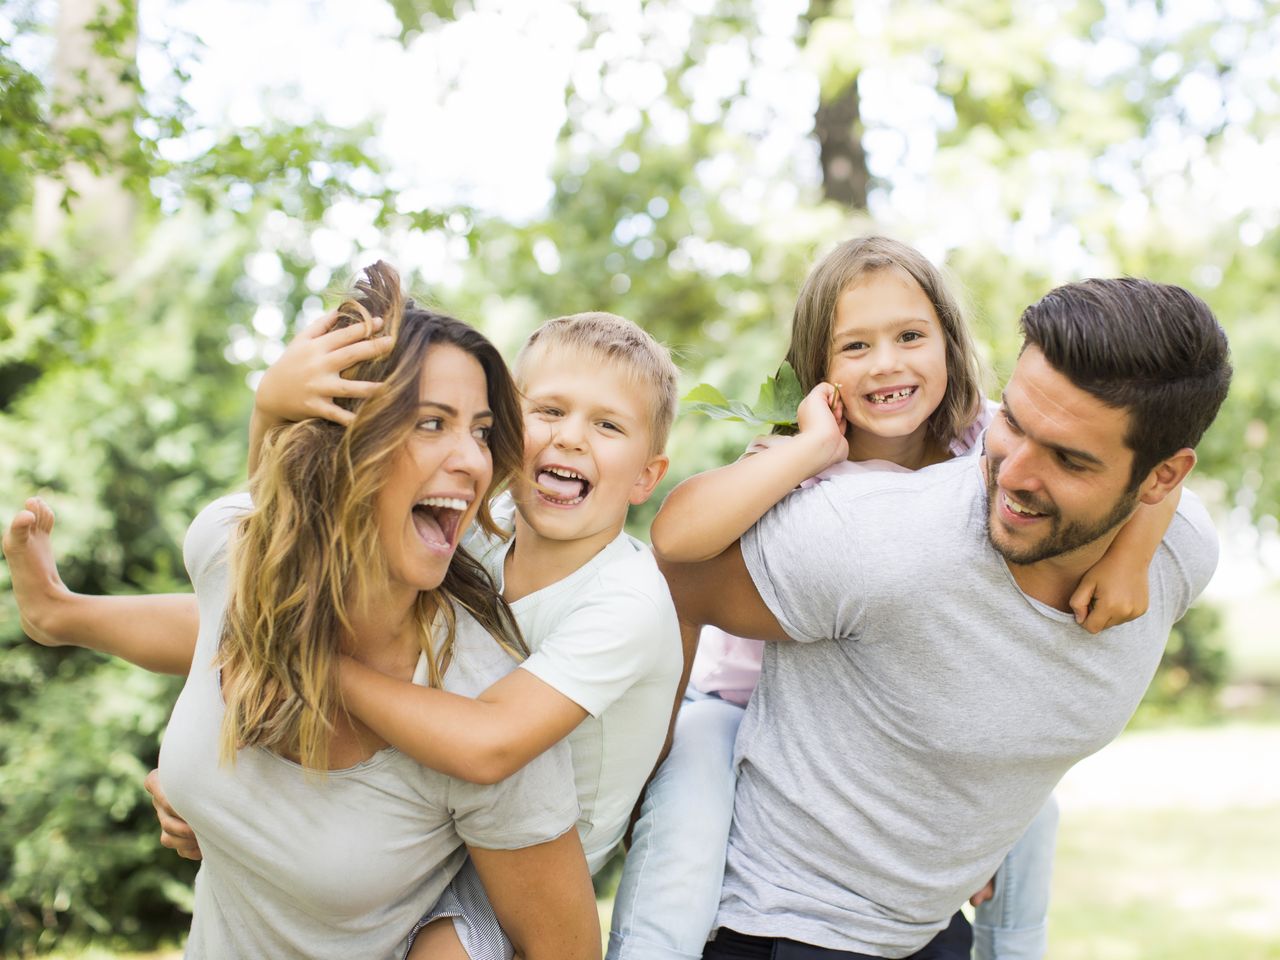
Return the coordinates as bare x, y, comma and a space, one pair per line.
208, 534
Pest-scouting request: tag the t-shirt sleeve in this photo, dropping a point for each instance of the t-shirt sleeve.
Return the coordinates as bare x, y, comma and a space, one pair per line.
805, 561
1187, 556
206, 541
608, 643
535, 804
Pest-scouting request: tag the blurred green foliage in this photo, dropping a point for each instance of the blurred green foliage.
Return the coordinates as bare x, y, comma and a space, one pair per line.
123, 378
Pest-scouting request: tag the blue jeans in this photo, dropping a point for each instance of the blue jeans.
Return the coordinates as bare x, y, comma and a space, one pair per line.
667, 898
670, 887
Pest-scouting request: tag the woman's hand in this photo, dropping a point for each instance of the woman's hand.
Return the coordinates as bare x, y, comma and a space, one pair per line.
307, 378
175, 833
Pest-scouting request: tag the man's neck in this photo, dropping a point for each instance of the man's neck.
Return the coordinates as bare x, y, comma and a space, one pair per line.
535, 562
1054, 580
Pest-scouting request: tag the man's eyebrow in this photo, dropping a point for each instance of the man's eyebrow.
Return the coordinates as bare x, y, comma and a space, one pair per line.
1083, 455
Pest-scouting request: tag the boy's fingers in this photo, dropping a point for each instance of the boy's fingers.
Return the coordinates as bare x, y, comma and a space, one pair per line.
328, 410
319, 326
352, 333
351, 388
343, 357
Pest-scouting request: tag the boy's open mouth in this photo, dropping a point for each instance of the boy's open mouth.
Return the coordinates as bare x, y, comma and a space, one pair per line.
562, 486
889, 396
437, 519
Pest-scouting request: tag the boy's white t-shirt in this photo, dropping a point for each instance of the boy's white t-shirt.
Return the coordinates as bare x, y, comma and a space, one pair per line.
606, 637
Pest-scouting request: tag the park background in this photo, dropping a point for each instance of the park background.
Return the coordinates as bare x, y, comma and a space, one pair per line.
182, 184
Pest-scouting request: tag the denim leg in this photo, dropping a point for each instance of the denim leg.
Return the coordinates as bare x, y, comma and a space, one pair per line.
1012, 924
670, 887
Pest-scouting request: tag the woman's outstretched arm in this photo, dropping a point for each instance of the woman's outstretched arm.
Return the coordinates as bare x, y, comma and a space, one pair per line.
155, 632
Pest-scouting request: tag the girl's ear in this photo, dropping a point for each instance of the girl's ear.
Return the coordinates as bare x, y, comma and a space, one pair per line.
650, 476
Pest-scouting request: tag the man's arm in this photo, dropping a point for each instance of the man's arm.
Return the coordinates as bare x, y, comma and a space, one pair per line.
543, 898
721, 592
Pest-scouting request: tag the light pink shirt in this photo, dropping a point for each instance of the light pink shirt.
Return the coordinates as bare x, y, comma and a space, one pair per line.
729, 666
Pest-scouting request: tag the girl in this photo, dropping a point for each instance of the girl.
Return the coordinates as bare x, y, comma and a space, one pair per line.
894, 384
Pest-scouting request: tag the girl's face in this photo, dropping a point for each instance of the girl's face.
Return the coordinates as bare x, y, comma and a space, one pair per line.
888, 354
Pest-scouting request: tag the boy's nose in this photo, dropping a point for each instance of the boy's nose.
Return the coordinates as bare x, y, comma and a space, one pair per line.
569, 433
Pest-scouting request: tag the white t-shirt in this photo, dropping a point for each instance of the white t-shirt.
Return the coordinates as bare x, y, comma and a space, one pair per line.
341, 863
606, 637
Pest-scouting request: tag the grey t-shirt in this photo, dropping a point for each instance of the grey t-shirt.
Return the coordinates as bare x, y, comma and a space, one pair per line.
889, 761
336, 864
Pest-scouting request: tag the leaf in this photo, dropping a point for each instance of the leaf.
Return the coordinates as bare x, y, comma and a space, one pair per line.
776, 405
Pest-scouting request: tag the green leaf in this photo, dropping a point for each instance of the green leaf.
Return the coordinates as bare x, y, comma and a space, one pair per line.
776, 405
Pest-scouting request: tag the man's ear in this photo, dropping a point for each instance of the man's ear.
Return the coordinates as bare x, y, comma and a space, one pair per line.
1166, 475
649, 478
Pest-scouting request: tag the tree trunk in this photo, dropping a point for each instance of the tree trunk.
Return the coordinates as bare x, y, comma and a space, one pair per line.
92, 89
838, 127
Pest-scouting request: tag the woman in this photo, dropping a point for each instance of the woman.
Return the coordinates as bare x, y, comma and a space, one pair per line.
317, 838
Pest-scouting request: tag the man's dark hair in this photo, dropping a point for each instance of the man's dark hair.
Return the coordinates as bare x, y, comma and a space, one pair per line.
1152, 349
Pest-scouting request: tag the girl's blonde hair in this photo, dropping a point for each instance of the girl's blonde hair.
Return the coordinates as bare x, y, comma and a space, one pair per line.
814, 320
310, 543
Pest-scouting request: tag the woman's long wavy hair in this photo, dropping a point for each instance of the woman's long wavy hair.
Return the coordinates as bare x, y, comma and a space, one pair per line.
310, 545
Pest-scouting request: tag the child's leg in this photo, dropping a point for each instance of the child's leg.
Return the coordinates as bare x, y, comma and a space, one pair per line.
462, 925
1011, 925
670, 888
438, 940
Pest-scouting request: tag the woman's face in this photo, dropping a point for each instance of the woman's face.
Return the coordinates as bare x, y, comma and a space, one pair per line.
440, 473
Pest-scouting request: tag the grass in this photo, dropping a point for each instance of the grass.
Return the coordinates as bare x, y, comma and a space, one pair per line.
1170, 884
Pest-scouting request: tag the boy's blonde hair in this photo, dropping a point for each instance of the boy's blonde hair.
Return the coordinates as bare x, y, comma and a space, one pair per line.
614, 339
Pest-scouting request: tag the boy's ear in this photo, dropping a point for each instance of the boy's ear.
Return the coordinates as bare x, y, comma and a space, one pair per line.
1166, 475
649, 478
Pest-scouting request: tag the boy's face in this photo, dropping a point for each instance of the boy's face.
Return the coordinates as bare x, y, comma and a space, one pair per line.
587, 447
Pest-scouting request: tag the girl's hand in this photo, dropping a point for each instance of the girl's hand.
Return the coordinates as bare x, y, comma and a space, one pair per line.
308, 376
1125, 597
820, 418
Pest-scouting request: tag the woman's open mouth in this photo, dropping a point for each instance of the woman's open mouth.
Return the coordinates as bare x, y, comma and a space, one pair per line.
438, 519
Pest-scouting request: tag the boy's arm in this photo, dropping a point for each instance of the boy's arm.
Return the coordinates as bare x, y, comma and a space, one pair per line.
307, 378
480, 740
543, 898
1115, 589
705, 514
156, 632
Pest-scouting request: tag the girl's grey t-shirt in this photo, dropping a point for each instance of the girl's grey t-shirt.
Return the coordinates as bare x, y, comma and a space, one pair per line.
336, 864
889, 761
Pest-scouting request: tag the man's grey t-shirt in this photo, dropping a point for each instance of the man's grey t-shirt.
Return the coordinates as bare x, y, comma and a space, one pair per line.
342, 863
889, 761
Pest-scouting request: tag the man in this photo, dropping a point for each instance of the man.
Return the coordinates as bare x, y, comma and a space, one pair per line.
940, 687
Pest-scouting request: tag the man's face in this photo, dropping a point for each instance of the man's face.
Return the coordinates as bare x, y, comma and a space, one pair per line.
1057, 466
